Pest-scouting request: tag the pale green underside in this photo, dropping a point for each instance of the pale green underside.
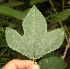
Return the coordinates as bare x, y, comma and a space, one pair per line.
36, 41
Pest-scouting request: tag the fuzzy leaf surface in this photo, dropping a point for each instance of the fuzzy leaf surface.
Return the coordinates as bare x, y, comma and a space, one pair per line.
36, 41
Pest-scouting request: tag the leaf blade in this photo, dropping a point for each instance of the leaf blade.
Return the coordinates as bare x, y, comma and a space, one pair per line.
52, 62
36, 40
61, 15
50, 42
12, 4
32, 2
12, 12
13, 40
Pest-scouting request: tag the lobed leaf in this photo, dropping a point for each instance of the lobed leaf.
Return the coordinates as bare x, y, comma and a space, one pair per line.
36, 41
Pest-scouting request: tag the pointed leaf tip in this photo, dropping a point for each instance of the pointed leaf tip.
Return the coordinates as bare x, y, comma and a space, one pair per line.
36, 41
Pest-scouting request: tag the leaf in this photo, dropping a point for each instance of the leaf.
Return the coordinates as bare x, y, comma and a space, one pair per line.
12, 12
61, 15
32, 2
1, 29
52, 62
12, 4
36, 41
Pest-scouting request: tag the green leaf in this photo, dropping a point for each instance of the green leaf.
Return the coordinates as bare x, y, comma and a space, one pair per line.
12, 4
32, 2
52, 62
61, 15
36, 41
1, 29
12, 12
